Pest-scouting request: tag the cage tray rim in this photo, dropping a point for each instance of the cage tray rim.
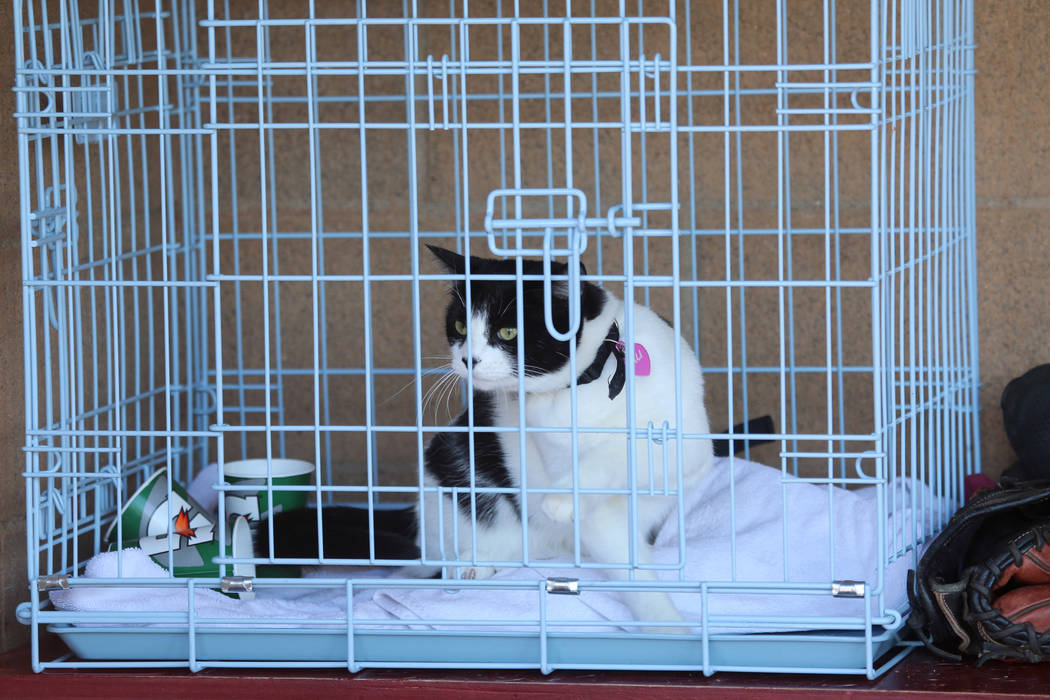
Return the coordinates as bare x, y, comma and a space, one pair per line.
817, 651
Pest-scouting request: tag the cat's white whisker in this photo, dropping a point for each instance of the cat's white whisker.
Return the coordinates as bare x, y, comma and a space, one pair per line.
446, 366
450, 387
432, 388
442, 388
436, 389
507, 306
448, 400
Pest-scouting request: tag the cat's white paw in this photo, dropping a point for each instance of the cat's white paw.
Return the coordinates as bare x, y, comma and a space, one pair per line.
473, 573
558, 507
667, 630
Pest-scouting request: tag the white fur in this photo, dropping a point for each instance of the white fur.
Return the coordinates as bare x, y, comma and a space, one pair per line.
492, 366
602, 458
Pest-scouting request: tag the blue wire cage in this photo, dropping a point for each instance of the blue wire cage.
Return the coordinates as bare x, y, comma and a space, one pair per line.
223, 207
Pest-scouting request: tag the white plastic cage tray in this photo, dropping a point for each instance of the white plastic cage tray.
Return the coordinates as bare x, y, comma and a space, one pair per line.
813, 652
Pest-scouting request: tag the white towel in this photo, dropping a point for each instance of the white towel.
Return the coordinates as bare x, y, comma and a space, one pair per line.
269, 604
763, 505
757, 508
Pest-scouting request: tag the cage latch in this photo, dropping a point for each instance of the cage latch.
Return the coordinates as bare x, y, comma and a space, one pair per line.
563, 586
52, 583
236, 584
847, 589
95, 103
572, 226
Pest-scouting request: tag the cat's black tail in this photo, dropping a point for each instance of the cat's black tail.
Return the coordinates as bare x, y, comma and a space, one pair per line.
346, 533
755, 426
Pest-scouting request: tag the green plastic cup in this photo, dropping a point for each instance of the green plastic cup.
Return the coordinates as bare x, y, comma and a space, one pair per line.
193, 551
254, 505
148, 513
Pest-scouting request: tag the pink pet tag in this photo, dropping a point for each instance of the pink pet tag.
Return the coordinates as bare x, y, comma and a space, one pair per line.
641, 358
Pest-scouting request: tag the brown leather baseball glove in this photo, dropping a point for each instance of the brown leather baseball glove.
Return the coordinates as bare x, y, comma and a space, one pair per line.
983, 586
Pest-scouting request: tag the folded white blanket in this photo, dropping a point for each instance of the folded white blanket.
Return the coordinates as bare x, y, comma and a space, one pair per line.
733, 535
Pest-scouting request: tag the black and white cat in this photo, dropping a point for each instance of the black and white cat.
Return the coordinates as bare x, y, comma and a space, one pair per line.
491, 359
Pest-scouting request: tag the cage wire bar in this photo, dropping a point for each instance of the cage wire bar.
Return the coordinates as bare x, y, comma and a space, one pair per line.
222, 207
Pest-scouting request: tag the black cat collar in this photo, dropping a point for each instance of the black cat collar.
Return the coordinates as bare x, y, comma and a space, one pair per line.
610, 345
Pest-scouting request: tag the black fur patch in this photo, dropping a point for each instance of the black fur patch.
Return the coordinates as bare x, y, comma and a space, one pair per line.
346, 533
448, 461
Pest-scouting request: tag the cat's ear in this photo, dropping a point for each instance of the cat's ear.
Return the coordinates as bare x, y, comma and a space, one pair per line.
450, 260
560, 289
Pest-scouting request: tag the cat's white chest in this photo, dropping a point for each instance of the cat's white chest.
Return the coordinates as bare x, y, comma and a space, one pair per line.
551, 410
554, 410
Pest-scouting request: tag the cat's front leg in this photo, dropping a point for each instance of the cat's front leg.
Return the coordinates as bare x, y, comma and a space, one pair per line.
488, 543
605, 534
600, 467
559, 506
478, 573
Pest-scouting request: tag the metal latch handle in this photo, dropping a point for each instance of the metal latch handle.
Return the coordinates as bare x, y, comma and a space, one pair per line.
563, 586
236, 584
847, 589
52, 583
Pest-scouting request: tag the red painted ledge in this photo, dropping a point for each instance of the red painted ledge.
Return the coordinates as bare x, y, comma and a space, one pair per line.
921, 675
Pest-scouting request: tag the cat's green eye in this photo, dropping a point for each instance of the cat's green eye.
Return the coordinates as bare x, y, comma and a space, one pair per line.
461, 328
508, 333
